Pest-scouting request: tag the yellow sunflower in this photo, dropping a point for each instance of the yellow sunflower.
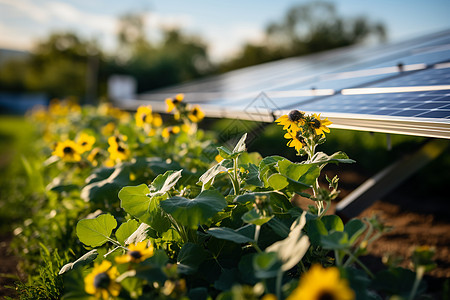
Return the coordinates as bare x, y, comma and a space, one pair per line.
322, 283
101, 281
68, 150
108, 129
173, 103
296, 139
157, 120
136, 253
93, 155
292, 120
320, 126
143, 116
86, 141
168, 131
196, 114
117, 149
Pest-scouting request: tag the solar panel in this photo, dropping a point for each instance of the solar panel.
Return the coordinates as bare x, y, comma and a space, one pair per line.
399, 88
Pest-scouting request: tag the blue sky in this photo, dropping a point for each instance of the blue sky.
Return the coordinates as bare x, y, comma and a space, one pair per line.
224, 25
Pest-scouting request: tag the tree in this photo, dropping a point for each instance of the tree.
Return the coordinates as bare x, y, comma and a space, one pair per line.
307, 28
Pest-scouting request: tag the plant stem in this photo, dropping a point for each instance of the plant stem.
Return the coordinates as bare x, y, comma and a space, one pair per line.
257, 230
419, 275
338, 258
360, 264
278, 284
111, 251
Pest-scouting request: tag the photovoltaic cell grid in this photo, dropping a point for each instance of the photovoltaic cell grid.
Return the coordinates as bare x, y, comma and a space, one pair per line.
404, 85
428, 104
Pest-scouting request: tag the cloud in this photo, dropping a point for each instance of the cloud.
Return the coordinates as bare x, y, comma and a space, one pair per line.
28, 8
229, 42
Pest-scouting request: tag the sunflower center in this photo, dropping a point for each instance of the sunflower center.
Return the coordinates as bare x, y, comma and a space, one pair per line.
135, 254
175, 101
295, 115
120, 149
101, 281
68, 150
117, 139
315, 123
326, 295
195, 112
83, 143
144, 117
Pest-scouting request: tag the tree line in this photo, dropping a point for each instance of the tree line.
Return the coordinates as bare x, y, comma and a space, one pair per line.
65, 64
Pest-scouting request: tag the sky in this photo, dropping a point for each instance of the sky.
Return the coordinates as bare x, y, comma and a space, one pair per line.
223, 25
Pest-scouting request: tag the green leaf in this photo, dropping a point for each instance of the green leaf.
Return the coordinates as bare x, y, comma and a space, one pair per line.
279, 182
292, 249
240, 146
193, 212
253, 175
190, 257
164, 182
225, 152
266, 264
354, 229
305, 173
104, 189
397, 281
126, 230
279, 227
138, 235
229, 234
208, 177
134, 200
96, 232
228, 277
338, 157
267, 168
333, 223
82, 261
337, 240
316, 229
254, 217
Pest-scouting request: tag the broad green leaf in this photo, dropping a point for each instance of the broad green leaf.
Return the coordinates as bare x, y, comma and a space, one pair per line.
266, 264
193, 212
397, 281
225, 152
190, 257
207, 179
164, 183
267, 168
278, 200
228, 277
337, 240
240, 146
249, 158
338, 157
354, 229
96, 232
82, 261
134, 200
126, 230
292, 249
229, 234
105, 190
254, 217
279, 182
333, 223
279, 227
306, 173
253, 175
138, 235
316, 229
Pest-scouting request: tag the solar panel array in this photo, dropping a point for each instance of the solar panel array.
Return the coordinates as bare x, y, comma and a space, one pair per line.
399, 88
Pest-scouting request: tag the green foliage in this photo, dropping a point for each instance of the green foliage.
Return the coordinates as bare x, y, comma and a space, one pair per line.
96, 232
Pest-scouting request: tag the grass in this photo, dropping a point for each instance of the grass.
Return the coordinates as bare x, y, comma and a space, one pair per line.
16, 140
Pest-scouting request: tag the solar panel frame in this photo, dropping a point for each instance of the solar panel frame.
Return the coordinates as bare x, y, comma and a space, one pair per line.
355, 87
